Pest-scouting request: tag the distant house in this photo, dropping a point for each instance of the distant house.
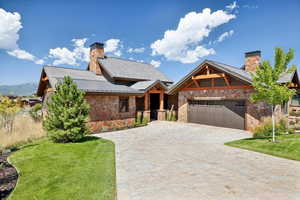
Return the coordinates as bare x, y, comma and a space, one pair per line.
213, 93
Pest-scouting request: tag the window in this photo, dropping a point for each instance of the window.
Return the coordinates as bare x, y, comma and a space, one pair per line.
123, 104
284, 107
296, 100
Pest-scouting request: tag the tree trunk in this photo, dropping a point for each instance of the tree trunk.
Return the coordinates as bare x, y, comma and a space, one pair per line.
273, 123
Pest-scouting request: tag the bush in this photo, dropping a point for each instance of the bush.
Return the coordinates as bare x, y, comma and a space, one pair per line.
265, 130
67, 113
145, 120
36, 112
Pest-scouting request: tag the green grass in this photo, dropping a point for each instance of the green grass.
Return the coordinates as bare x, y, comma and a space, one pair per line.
83, 170
286, 146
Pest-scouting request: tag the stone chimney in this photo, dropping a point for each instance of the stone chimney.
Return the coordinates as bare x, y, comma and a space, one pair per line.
252, 60
96, 51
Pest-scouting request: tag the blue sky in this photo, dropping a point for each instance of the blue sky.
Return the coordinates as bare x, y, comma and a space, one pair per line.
33, 33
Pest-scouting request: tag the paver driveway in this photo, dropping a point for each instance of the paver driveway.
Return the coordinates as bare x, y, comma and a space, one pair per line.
167, 160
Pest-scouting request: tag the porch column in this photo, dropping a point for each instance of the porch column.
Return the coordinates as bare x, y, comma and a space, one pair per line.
161, 99
161, 113
146, 101
146, 113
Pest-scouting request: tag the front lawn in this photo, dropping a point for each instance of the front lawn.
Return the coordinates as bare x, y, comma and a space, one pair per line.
287, 146
83, 170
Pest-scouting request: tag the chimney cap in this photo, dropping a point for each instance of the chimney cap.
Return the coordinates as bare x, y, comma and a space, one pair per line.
97, 45
253, 53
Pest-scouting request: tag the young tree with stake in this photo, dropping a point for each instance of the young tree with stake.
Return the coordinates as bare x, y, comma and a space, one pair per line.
265, 82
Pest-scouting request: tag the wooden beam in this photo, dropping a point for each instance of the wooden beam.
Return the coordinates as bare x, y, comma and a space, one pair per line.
45, 79
208, 76
196, 83
155, 91
220, 87
213, 82
226, 80
207, 70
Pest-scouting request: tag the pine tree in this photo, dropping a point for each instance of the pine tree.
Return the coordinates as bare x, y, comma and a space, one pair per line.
265, 82
67, 113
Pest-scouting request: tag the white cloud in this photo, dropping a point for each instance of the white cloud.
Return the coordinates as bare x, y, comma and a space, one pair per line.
155, 63
232, 6
183, 44
113, 46
24, 55
250, 6
136, 50
81, 53
62, 56
10, 24
225, 35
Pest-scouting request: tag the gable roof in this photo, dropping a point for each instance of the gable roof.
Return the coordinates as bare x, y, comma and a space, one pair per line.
128, 69
145, 85
234, 71
86, 80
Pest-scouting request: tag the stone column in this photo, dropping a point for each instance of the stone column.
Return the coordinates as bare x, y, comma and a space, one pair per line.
161, 113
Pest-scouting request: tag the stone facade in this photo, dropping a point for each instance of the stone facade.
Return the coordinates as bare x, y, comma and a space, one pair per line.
105, 115
255, 112
252, 60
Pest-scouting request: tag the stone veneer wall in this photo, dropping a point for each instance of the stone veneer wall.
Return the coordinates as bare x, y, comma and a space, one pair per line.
105, 115
255, 112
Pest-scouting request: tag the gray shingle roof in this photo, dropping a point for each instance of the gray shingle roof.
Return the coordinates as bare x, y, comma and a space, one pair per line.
286, 77
121, 68
144, 85
237, 72
86, 80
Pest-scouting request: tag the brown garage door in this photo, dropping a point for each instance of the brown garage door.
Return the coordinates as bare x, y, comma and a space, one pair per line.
223, 113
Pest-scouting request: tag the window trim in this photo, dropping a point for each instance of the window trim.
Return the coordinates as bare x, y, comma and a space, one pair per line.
123, 99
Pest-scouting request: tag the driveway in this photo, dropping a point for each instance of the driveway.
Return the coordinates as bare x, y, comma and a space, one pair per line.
168, 160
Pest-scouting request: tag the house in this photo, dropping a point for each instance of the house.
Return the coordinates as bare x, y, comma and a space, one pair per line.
115, 89
218, 94
213, 93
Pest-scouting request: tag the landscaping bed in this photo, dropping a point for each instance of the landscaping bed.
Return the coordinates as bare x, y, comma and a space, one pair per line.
81, 170
8, 175
286, 146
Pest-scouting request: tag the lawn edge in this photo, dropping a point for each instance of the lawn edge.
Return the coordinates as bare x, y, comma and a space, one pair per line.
259, 151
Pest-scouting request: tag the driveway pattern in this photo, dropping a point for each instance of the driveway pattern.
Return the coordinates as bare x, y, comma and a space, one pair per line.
168, 160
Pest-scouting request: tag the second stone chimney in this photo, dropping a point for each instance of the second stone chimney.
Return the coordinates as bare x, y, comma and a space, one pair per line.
96, 51
252, 60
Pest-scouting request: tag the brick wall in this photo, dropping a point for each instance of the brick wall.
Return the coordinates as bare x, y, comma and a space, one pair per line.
105, 115
255, 112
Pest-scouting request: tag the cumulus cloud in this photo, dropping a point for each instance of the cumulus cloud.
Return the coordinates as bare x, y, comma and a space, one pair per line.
232, 6
183, 44
113, 46
10, 24
155, 63
136, 50
62, 56
225, 35
81, 52
24, 55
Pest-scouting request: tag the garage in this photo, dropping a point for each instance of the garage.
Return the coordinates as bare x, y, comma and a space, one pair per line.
222, 113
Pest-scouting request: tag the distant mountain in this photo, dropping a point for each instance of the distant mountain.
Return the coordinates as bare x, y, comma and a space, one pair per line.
25, 89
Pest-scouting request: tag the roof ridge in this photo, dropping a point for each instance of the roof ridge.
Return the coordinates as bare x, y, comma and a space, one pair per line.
225, 64
129, 60
80, 79
65, 68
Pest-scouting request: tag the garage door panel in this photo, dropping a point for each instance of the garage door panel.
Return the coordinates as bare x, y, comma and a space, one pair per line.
223, 113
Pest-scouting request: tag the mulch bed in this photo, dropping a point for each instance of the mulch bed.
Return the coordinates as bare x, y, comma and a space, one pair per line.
8, 175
